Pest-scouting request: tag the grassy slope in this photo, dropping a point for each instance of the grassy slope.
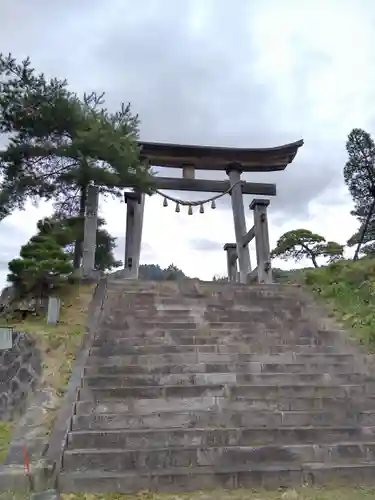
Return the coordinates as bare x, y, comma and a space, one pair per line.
291, 494
349, 290
59, 344
5, 438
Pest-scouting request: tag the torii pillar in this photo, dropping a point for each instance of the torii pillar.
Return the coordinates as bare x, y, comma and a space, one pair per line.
262, 242
135, 202
234, 171
231, 249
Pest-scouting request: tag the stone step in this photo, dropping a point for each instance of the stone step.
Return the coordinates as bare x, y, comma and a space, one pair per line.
250, 391
211, 403
228, 314
183, 479
189, 326
251, 367
249, 313
210, 304
152, 459
200, 437
233, 348
155, 360
227, 339
150, 324
221, 418
114, 330
161, 312
103, 381
190, 338
205, 288
206, 330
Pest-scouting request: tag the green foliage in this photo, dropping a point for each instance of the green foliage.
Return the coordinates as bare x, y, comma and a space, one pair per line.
288, 276
5, 438
333, 251
302, 243
104, 253
349, 287
155, 273
368, 242
66, 231
42, 264
61, 230
359, 176
304, 492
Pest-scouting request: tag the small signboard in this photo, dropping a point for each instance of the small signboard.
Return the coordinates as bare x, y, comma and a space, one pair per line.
6, 338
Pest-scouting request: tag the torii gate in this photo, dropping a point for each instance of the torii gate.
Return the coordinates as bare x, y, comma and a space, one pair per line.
234, 161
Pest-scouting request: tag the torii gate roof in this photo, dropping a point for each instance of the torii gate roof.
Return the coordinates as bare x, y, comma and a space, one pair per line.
219, 158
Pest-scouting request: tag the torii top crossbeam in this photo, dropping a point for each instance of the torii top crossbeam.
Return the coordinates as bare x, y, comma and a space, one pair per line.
219, 158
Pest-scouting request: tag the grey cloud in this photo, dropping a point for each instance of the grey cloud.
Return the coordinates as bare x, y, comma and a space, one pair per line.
200, 89
11, 239
188, 85
146, 250
3, 264
205, 245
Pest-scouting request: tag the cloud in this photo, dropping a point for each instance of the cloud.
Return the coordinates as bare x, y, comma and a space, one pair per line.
218, 72
205, 245
146, 250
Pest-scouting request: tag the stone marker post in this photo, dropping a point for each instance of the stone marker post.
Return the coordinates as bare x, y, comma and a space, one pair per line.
53, 314
262, 244
6, 338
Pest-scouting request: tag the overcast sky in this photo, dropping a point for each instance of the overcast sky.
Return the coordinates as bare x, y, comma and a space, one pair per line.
215, 72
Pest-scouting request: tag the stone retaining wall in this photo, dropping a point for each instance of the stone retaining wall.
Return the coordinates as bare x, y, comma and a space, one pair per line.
20, 370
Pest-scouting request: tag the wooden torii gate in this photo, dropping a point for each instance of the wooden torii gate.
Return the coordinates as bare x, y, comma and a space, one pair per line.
234, 161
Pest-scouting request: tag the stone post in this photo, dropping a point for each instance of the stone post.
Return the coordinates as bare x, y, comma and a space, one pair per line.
234, 173
231, 249
90, 228
262, 244
133, 240
53, 313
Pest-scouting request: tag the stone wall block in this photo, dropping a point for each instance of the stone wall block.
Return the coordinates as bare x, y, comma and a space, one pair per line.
20, 371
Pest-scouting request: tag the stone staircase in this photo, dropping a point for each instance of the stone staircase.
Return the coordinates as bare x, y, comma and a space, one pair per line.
195, 385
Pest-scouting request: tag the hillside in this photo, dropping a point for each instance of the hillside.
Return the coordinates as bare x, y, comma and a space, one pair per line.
348, 289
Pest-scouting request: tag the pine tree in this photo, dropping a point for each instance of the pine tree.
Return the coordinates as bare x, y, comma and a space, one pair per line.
359, 175
42, 265
66, 231
58, 143
302, 243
